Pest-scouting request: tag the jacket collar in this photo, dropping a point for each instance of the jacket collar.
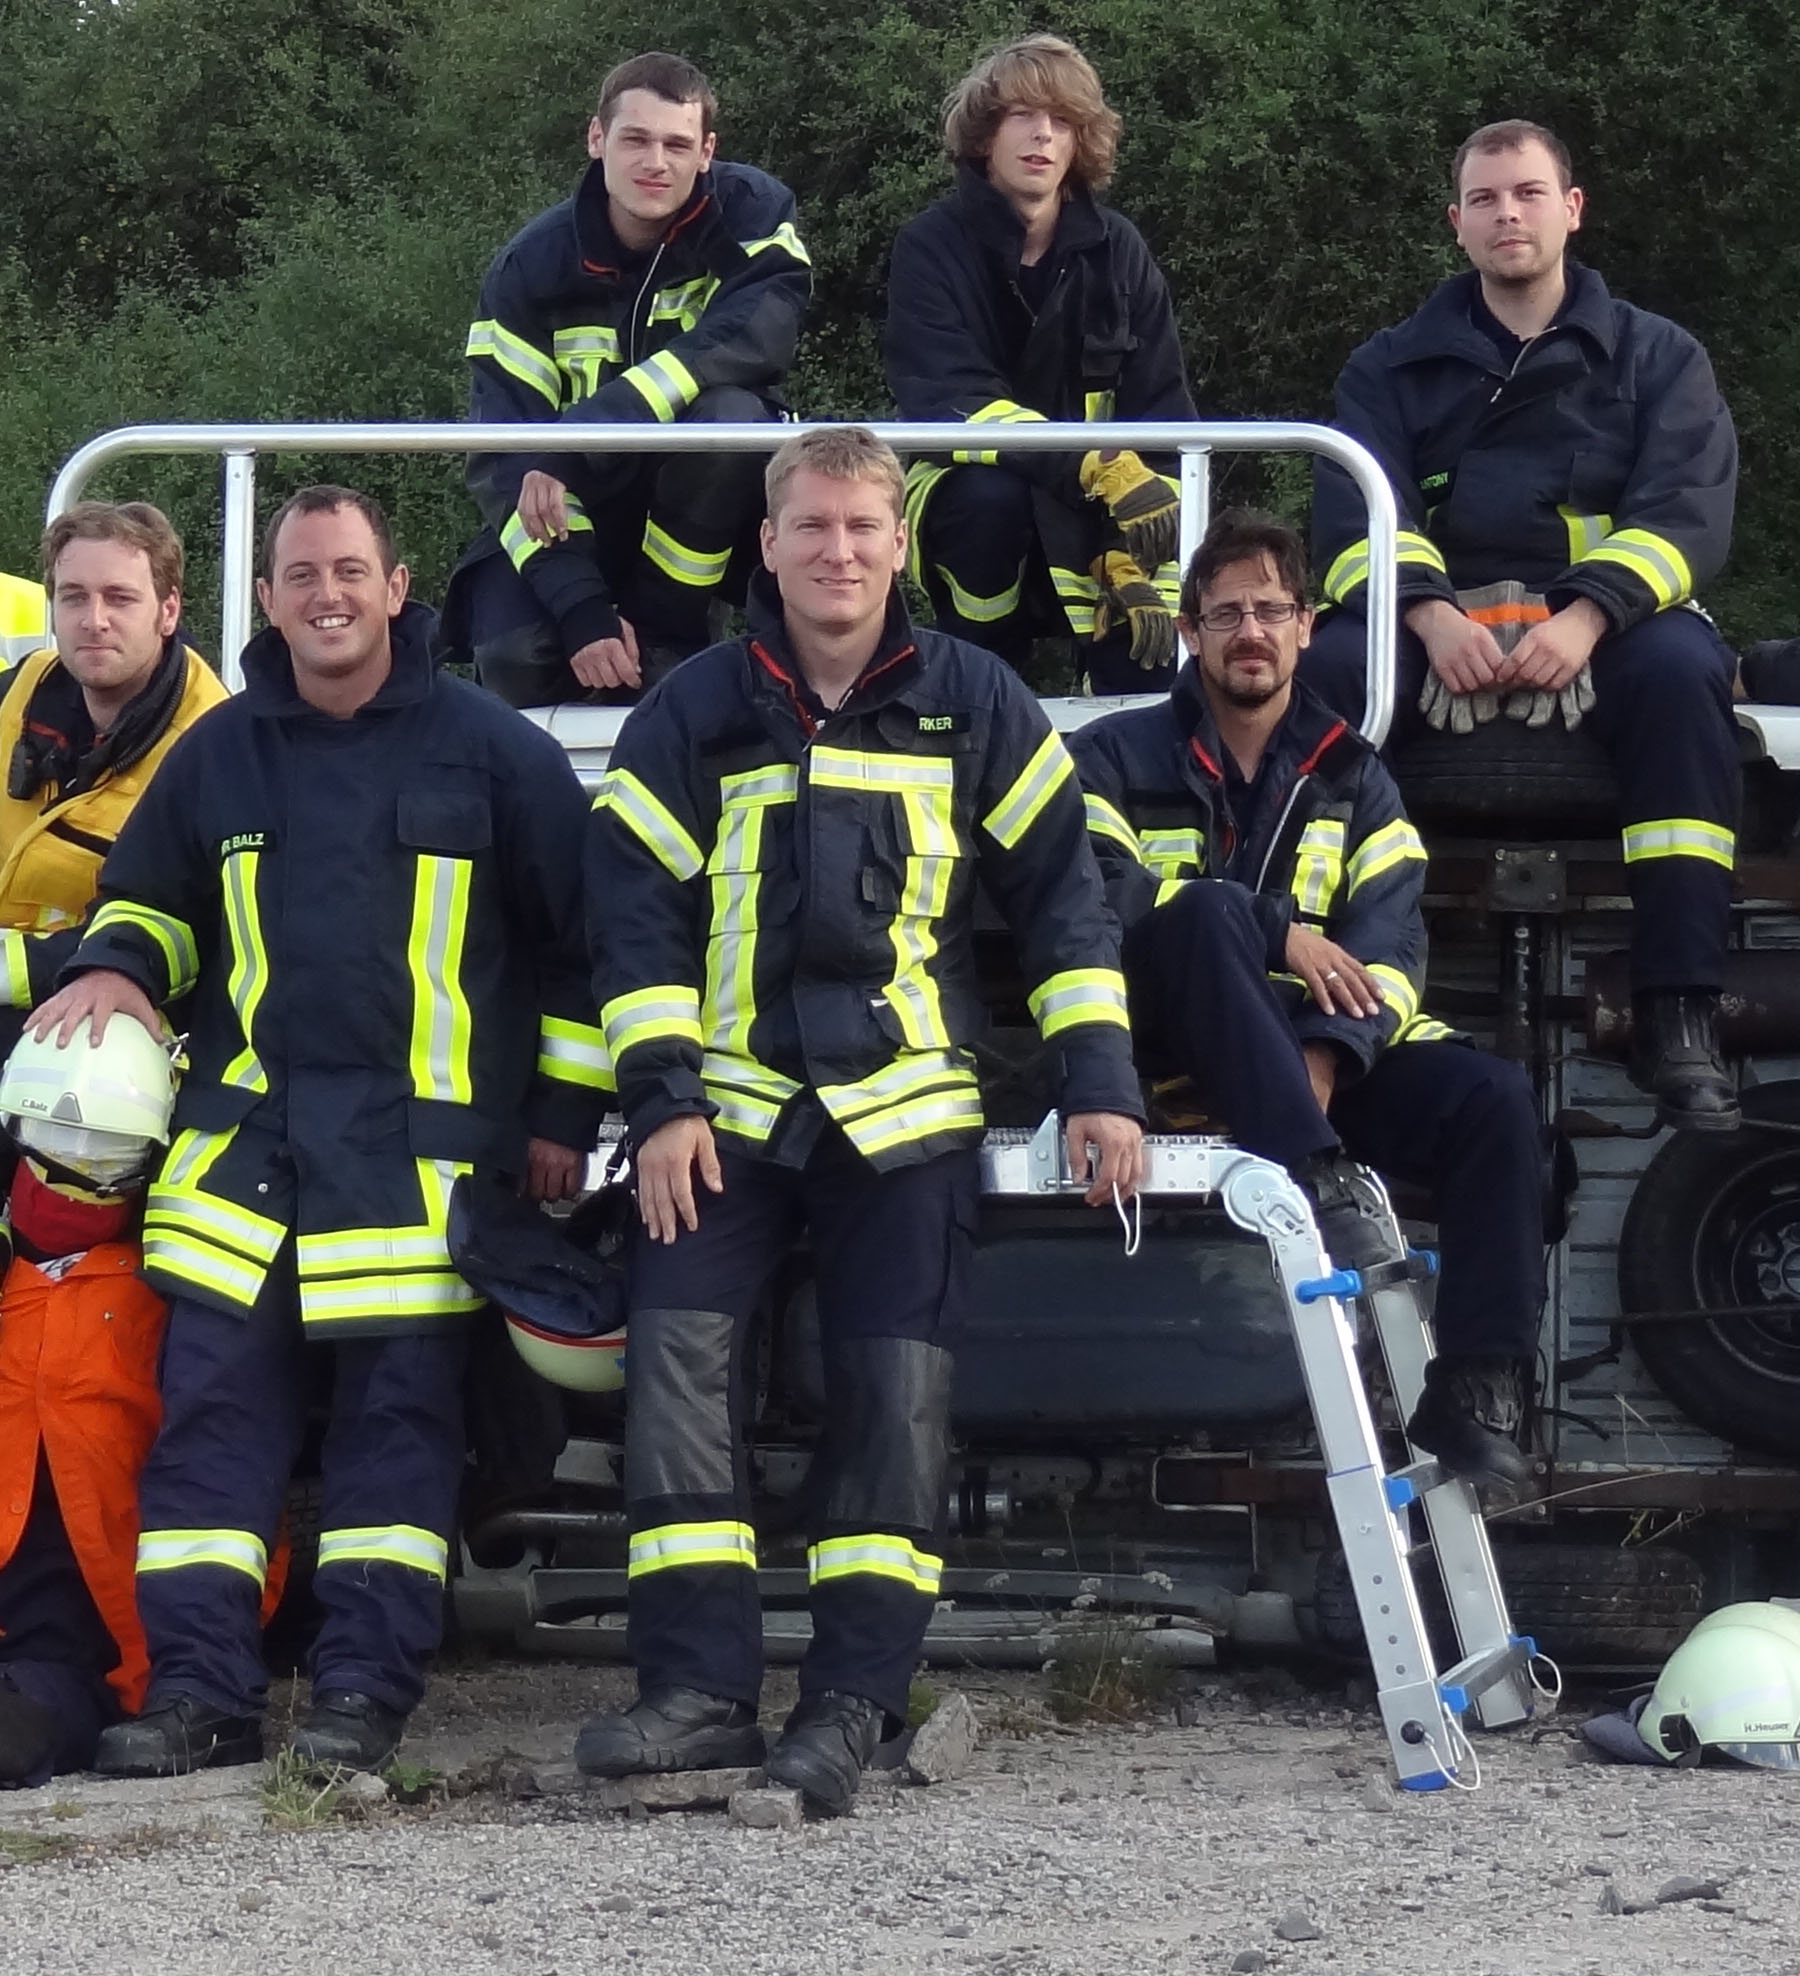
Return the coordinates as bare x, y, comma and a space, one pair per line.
1309, 735
269, 669
1443, 327
775, 675
599, 246
57, 746
989, 215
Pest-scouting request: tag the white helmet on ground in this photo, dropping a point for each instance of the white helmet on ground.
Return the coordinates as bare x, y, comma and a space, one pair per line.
1732, 1686
97, 1111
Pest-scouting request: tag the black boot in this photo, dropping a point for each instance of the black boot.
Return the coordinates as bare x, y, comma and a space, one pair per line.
671, 1729
1354, 1223
30, 1736
824, 1749
347, 1731
177, 1734
1676, 1058
1468, 1416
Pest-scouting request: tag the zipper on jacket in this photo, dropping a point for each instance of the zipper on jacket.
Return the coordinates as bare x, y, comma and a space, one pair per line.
637, 307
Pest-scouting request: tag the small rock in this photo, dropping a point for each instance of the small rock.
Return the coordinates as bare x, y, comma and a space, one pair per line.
617, 1904
1296, 1925
1615, 1831
487, 1939
766, 1810
1248, 1961
1684, 1887
514, 1778
252, 1900
943, 1743
1600, 1868
638, 1810
959, 1931
1611, 1901
1377, 1796
1190, 1712
487, 1899
675, 1790
1717, 1907
366, 1789
554, 1780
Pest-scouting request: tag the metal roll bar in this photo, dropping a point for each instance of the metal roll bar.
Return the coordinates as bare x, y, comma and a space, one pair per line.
240, 446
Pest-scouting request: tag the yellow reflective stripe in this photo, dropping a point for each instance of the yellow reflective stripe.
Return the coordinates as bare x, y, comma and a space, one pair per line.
1077, 995
783, 237
441, 1024
1046, 772
982, 610
1166, 888
1166, 582
876, 1555
1425, 1029
190, 1156
521, 546
670, 1011
392, 1543
574, 1053
1000, 411
174, 939
249, 966
1653, 559
651, 823
516, 357
18, 970
749, 1095
1585, 532
734, 885
918, 1119
685, 303
1350, 569
914, 1097
1079, 596
384, 1299
188, 1259
214, 1219
1105, 821
1176, 851
178, 1550
584, 353
878, 775
1401, 996
664, 383
1319, 866
700, 569
1394, 843
1098, 405
921, 477
1679, 837
676, 1546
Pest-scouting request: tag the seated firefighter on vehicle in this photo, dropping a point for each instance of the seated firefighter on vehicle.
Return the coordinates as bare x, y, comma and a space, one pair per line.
781, 902
668, 288
1256, 852
80, 1332
1021, 297
84, 725
1562, 462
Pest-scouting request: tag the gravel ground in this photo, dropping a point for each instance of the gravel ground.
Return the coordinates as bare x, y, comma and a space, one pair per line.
1091, 1852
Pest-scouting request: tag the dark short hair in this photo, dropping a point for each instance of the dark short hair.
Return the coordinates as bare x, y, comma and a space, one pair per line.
1511, 134
326, 500
1242, 535
672, 77
133, 525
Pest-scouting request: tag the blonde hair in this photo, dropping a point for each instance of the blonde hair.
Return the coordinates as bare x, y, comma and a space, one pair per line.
1042, 72
839, 452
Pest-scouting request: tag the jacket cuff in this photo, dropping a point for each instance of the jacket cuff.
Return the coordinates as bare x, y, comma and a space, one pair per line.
1098, 1076
651, 1104
1274, 914
1620, 613
586, 621
565, 1117
1358, 1042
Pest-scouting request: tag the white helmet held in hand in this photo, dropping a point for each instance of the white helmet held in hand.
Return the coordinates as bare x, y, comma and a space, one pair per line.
95, 1110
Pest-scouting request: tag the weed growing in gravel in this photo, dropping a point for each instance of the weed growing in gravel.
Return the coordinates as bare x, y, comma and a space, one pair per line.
921, 1702
1101, 1673
298, 1798
32, 1848
414, 1783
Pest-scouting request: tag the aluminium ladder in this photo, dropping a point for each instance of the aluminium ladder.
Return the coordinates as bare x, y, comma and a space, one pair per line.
1421, 1708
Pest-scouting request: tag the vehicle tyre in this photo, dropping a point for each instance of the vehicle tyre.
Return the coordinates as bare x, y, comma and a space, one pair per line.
1510, 780
1715, 1221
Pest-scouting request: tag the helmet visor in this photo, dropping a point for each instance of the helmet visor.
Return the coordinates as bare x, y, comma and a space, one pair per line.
1762, 1756
111, 1161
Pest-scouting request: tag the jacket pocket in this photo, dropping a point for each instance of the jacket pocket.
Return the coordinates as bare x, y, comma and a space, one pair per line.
452, 822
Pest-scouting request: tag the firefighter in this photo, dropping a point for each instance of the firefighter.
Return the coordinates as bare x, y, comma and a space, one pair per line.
23, 622
781, 878
367, 873
79, 1336
669, 287
1269, 884
1021, 297
1543, 436
84, 725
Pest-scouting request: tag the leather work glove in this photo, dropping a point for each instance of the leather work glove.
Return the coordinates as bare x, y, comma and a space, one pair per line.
1537, 707
1127, 595
1461, 713
1146, 507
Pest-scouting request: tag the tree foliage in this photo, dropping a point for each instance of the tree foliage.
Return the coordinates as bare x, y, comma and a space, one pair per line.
281, 210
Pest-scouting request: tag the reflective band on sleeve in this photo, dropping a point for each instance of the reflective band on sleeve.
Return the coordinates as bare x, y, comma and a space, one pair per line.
394, 1543
651, 823
699, 569
249, 965
1425, 1029
179, 1550
1679, 837
1653, 559
749, 1095
877, 1555
1000, 411
1319, 866
674, 1546
574, 1053
1079, 596
1350, 570
982, 610
669, 1012
1105, 821
1177, 851
441, 1024
664, 383
516, 357
1015, 813
521, 546
1079, 994
1398, 994
1586, 532
18, 970
1393, 844
783, 237
174, 939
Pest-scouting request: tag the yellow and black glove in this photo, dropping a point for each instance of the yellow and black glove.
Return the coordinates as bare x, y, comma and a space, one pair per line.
1127, 596
1145, 506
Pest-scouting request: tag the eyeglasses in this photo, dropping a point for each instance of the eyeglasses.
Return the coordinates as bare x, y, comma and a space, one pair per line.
1227, 617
